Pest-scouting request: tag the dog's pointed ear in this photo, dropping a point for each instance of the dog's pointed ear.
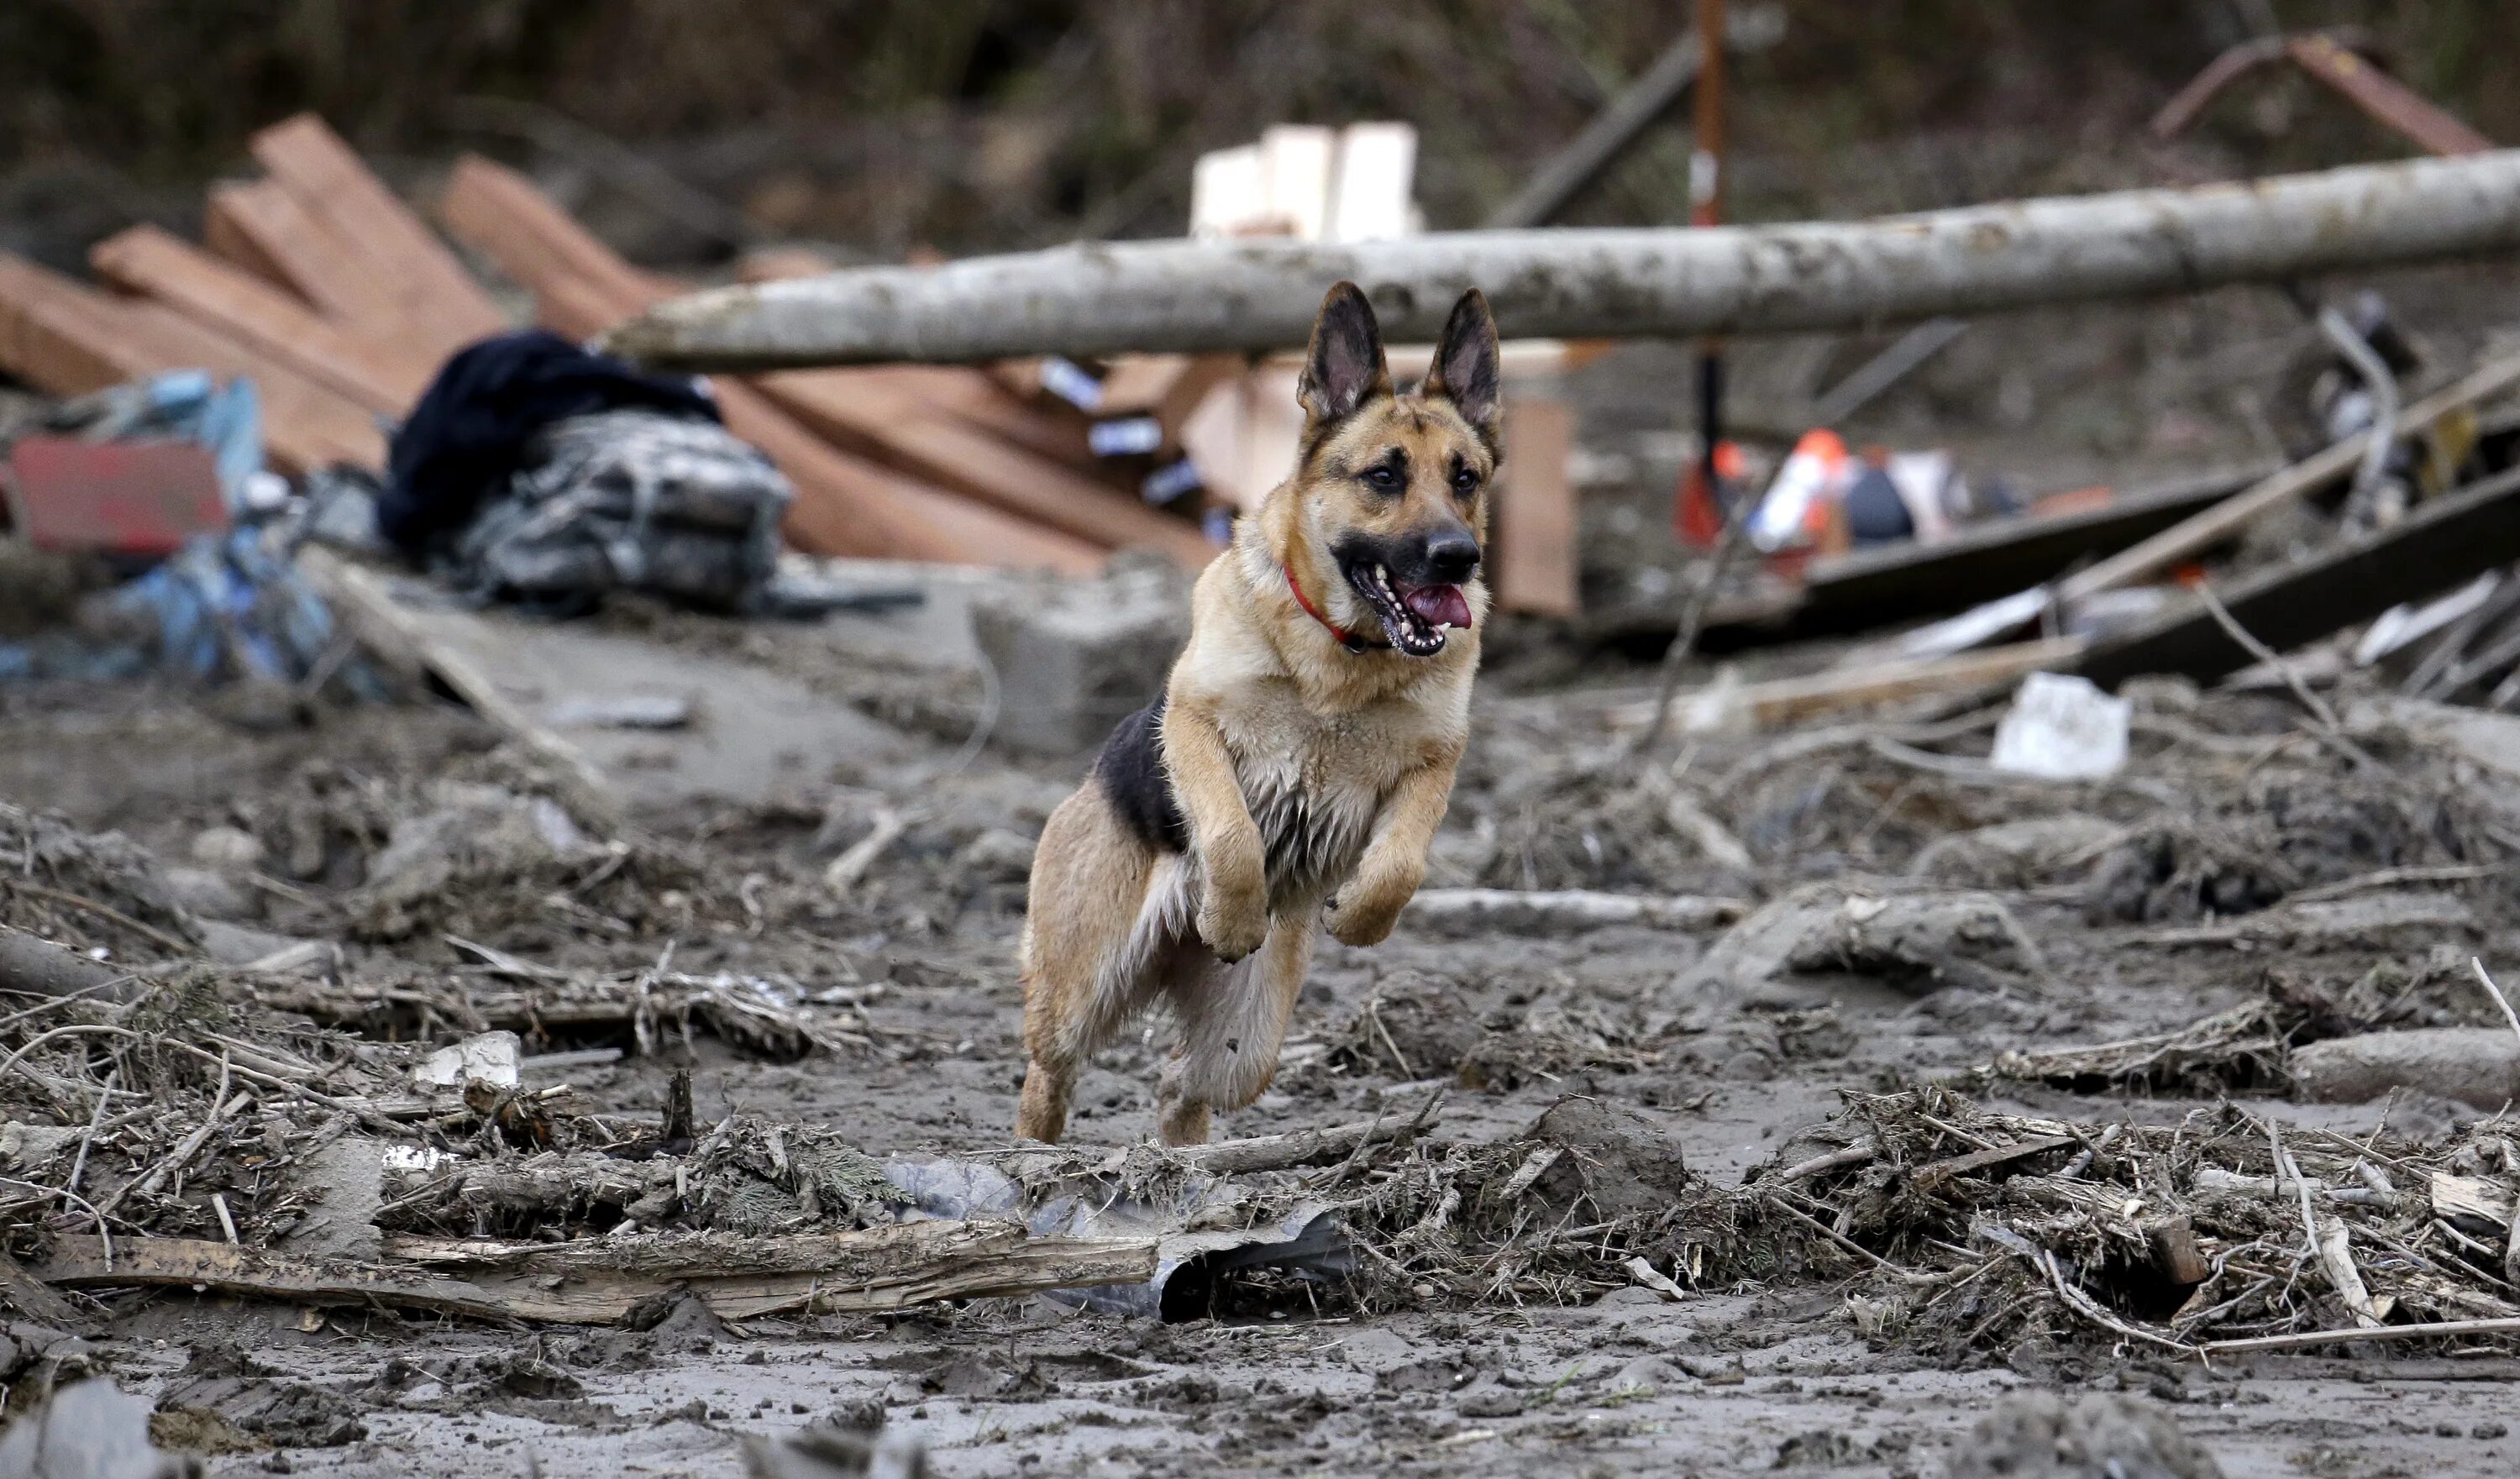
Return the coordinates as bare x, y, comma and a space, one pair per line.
1344, 368
1465, 369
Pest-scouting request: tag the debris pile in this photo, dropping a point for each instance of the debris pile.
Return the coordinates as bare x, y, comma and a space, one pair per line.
2221, 1231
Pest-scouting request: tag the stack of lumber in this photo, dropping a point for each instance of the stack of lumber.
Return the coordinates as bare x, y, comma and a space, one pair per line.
339, 303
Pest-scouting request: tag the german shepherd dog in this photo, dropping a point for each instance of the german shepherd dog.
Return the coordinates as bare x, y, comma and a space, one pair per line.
1299, 760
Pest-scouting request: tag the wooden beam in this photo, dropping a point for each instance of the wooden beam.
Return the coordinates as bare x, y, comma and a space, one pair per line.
226, 236
323, 268
431, 292
1535, 534
877, 421
926, 522
233, 301
2440, 545
305, 425
504, 216
80, 333
50, 341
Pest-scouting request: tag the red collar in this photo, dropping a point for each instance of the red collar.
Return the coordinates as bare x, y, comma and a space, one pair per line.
1345, 637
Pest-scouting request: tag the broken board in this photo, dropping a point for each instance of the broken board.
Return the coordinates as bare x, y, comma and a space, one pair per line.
2437, 546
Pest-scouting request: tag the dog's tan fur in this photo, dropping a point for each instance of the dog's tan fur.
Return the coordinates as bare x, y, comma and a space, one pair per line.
1311, 777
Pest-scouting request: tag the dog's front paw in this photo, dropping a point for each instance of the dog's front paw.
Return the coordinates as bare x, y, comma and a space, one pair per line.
1364, 914
1233, 920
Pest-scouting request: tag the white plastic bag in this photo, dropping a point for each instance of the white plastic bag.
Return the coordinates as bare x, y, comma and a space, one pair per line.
2063, 729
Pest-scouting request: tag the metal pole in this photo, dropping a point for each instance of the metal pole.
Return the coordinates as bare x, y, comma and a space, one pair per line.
1706, 208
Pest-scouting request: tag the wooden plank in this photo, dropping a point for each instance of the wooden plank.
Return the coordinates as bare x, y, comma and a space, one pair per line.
2440, 545
325, 268
1785, 701
431, 292
846, 504
81, 1262
2473, 1201
82, 332
502, 214
51, 343
259, 316
1987, 561
876, 421
925, 522
226, 237
32, 1299
305, 425
2215, 526
1536, 533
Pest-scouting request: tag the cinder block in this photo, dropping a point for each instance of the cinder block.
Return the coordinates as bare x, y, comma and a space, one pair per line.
1074, 658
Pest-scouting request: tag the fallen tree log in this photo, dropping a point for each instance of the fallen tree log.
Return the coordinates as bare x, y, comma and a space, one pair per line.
32, 966
2475, 1065
877, 1269
1200, 297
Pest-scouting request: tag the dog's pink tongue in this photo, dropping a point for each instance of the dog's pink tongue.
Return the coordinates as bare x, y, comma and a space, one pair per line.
1440, 606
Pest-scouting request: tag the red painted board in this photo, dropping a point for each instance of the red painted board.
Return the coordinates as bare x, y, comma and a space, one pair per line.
121, 498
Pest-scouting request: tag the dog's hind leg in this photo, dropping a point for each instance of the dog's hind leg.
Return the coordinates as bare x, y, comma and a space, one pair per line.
1232, 1024
1104, 910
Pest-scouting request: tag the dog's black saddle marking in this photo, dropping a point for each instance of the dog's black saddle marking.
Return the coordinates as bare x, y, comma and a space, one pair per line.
1131, 768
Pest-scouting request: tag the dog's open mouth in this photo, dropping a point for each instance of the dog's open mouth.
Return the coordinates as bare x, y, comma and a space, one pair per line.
1413, 617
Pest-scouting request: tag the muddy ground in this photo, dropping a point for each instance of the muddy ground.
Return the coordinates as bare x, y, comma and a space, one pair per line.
2231, 804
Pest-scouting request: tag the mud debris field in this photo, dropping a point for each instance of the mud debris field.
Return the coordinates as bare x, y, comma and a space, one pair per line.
1931, 1085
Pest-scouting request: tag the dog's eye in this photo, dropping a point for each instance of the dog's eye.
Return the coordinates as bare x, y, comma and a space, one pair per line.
1381, 477
1466, 483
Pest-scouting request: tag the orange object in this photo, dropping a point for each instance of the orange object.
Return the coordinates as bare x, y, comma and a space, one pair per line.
1697, 514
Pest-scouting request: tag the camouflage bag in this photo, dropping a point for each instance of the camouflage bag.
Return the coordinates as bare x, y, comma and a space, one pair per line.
629, 500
